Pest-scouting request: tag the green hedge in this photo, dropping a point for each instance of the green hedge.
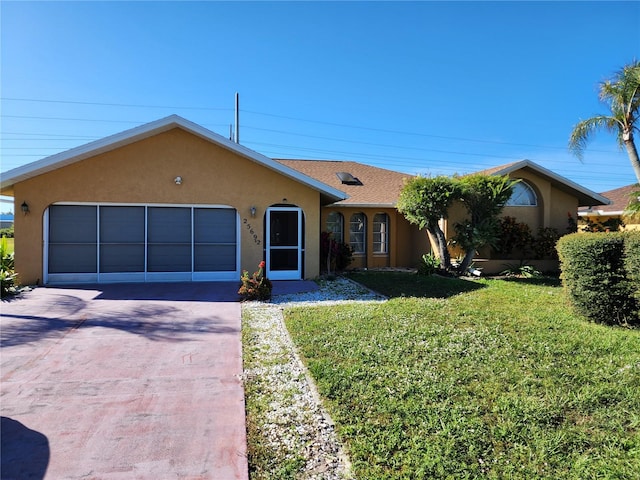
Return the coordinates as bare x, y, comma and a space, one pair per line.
600, 272
632, 261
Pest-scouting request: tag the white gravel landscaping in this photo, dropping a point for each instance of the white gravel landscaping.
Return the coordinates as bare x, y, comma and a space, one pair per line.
290, 420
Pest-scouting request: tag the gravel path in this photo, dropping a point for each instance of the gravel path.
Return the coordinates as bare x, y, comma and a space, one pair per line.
291, 423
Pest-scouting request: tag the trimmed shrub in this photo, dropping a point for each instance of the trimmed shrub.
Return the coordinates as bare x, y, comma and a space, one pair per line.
632, 261
594, 274
7, 232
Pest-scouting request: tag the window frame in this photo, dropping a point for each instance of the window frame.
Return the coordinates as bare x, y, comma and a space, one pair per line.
331, 224
530, 193
381, 234
362, 231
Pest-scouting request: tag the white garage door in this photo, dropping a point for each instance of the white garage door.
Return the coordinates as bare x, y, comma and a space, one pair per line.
140, 243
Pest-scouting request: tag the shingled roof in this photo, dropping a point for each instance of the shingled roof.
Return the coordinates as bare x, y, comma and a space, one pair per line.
619, 197
371, 186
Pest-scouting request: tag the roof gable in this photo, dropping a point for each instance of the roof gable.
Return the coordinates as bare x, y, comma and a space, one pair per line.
151, 129
585, 196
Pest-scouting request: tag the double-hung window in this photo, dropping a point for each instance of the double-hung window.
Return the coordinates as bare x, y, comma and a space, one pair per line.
381, 234
358, 233
335, 225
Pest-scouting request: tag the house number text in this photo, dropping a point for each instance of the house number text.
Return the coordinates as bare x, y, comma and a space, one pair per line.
251, 231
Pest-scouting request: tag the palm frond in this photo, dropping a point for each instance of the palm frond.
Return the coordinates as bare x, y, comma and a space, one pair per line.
586, 129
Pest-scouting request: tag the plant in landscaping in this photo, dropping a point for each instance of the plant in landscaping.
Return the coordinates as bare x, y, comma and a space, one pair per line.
256, 286
610, 225
514, 235
632, 263
484, 197
544, 244
7, 273
598, 275
7, 232
334, 255
424, 201
521, 270
429, 265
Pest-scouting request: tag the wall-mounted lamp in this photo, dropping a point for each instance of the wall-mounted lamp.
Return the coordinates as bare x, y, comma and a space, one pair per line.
178, 180
25, 207
253, 211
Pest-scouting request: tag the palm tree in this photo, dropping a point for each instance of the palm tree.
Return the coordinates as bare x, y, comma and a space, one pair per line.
622, 95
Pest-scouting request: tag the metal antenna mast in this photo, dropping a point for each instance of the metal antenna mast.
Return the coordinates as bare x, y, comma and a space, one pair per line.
237, 132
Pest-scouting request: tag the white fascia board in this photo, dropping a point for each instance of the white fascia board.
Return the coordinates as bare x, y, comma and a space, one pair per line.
558, 178
117, 140
599, 213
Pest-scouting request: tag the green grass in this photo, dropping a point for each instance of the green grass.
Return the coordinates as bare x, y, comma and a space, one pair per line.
486, 379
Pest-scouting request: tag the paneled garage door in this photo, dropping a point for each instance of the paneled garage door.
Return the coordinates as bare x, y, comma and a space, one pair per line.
140, 243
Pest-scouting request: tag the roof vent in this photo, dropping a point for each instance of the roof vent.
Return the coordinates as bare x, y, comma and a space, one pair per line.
348, 179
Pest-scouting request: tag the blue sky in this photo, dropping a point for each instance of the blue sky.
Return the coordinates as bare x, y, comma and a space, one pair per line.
421, 87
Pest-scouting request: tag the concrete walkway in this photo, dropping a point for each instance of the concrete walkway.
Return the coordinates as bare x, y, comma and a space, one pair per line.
123, 382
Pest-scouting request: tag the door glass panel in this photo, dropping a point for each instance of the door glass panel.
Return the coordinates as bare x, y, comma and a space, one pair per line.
284, 259
284, 229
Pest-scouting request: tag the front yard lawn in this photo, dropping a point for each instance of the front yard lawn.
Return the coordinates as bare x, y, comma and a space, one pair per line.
483, 379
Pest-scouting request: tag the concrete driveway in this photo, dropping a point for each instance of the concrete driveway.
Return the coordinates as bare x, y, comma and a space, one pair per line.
123, 382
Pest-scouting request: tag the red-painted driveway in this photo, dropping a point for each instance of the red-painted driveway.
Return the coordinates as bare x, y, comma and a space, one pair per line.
123, 382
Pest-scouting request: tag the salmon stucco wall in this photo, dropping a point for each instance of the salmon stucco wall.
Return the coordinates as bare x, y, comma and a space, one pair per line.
143, 172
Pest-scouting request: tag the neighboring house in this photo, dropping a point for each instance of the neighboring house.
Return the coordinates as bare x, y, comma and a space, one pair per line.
612, 214
6, 220
173, 201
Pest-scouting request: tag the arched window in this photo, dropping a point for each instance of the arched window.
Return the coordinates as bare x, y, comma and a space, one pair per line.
522, 196
358, 233
335, 225
381, 233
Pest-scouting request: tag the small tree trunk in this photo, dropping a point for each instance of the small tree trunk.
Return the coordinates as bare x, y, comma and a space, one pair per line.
439, 245
633, 155
466, 261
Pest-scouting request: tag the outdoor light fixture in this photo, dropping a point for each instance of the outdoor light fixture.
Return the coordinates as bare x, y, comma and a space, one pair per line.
178, 180
24, 207
253, 211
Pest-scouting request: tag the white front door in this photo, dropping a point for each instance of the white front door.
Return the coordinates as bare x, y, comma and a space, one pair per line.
284, 243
